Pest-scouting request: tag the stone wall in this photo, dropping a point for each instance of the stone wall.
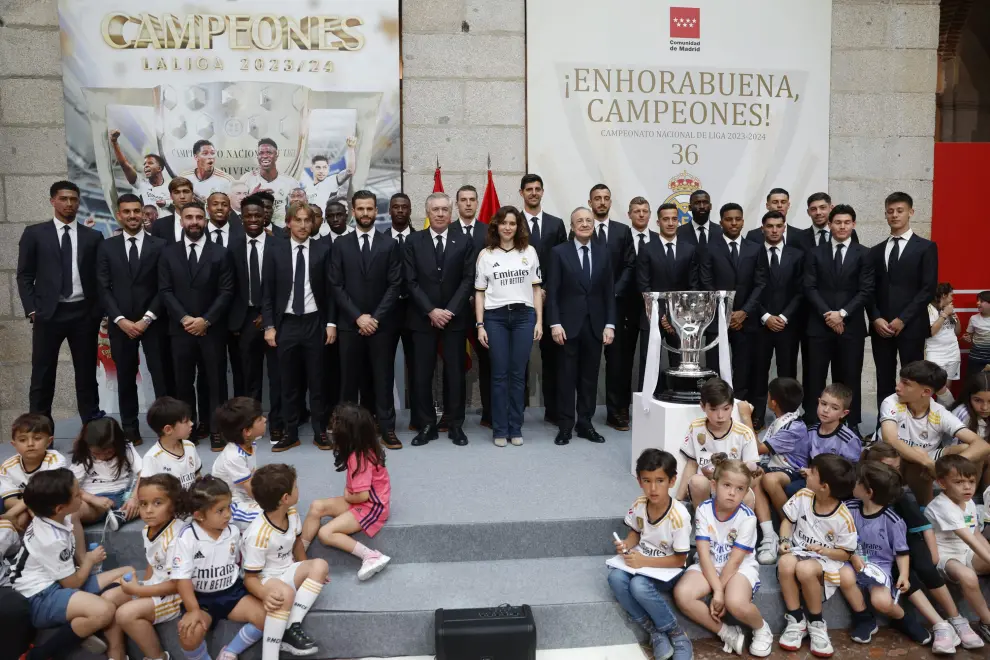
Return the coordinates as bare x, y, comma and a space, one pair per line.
463, 99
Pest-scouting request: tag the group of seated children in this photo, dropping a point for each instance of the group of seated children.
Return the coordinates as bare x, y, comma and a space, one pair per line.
846, 521
230, 545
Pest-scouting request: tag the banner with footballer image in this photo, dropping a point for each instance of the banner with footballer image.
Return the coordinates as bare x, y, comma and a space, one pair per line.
662, 98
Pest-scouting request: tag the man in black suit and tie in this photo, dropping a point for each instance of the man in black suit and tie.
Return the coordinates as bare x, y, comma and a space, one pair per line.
249, 253
733, 263
56, 279
666, 264
622, 258
779, 200
819, 206
296, 312
701, 230
400, 210
169, 227
905, 267
196, 281
127, 274
545, 233
779, 311
630, 310
581, 306
439, 270
223, 228
838, 285
365, 280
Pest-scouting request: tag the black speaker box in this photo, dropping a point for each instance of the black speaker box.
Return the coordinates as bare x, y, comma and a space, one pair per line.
494, 633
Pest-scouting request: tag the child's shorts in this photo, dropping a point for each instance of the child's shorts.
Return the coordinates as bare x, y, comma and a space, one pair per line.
117, 498
830, 573
874, 575
49, 606
219, 604
370, 515
167, 608
288, 576
751, 573
966, 559
792, 488
793, 474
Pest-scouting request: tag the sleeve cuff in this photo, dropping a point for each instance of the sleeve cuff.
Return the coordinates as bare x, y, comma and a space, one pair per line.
763, 319
555, 325
742, 547
240, 481
609, 326
331, 325
783, 318
117, 319
149, 315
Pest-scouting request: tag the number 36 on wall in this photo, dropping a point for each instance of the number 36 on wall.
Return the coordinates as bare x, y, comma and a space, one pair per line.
685, 154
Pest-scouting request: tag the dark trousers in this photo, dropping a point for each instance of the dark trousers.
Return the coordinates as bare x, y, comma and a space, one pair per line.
618, 365
845, 354
510, 338
484, 374
15, 612
425, 351
405, 335
370, 357
168, 365
743, 345
254, 352
73, 322
785, 345
236, 364
206, 354
550, 353
125, 356
577, 373
885, 353
300, 342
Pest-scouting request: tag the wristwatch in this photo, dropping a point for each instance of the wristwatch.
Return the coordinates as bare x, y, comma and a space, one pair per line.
147, 319
479, 325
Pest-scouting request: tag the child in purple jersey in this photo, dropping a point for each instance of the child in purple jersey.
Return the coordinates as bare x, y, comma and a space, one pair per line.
882, 541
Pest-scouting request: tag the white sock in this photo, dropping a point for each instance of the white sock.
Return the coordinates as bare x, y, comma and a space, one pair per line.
767, 528
275, 624
306, 595
360, 551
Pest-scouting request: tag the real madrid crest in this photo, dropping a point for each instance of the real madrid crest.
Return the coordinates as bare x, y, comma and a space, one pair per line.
701, 437
525, 261
830, 537
731, 537
681, 186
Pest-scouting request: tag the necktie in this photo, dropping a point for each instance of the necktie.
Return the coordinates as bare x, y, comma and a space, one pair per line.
774, 260
366, 250
642, 242
601, 232
822, 236
438, 253
133, 260
837, 261
734, 253
219, 237
468, 228
66, 263
193, 261
254, 275
402, 240
299, 284
670, 256
534, 235
585, 263
895, 254
702, 241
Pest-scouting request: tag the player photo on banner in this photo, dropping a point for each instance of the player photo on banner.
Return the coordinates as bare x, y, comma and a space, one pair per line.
661, 98
237, 97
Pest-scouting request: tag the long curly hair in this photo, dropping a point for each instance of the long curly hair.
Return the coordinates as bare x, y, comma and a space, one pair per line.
355, 432
102, 433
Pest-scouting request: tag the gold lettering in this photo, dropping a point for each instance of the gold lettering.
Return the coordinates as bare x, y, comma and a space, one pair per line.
294, 32
113, 30
614, 111
240, 31
603, 79
177, 36
212, 26
590, 116
652, 80
666, 82
640, 113
745, 84
707, 83
619, 81
273, 35
784, 85
351, 40
581, 80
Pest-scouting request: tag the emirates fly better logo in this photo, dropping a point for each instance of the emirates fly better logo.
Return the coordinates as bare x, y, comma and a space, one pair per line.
685, 23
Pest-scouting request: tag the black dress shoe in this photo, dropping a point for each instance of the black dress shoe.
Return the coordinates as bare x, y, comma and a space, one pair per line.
390, 440
134, 437
563, 438
424, 436
202, 431
457, 436
617, 423
323, 441
286, 443
277, 435
217, 443
589, 433
487, 423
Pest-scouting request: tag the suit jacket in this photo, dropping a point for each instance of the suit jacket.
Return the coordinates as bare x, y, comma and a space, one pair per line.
826, 291
552, 234
239, 260
278, 232
905, 291
793, 237
276, 280
164, 228
783, 294
206, 291
401, 251
747, 279
688, 233
360, 288
479, 234
121, 293
622, 257
432, 288
654, 274
808, 236
39, 267
570, 298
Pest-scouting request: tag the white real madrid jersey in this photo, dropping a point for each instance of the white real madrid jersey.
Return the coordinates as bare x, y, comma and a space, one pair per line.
211, 564
835, 529
47, 555
160, 551
13, 476
184, 466
925, 432
268, 549
700, 444
670, 534
736, 531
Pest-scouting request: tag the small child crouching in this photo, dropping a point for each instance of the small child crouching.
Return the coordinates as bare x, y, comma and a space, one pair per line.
106, 465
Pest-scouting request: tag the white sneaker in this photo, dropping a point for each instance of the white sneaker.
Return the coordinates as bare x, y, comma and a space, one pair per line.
226, 655
375, 562
762, 642
516, 442
821, 645
734, 639
94, 645
499, 442
946, 640
794, 633
766, 554
967, 638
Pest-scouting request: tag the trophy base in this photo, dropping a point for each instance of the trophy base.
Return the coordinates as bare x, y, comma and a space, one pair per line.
684, 389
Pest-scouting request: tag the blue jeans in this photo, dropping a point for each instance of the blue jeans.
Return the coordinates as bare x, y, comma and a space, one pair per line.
640, 598
510, 340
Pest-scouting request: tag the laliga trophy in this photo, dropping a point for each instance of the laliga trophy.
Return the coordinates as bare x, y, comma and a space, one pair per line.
690, 313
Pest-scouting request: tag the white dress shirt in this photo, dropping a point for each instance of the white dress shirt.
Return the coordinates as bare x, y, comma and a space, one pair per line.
737, 241
261, 257
77, 289
780, 258
539, 221
474, 225
708, 227
199, 246
334, 236
818, 236
308, 297
665, 242
445, 235
906, 236
636, 234
845, 251
139, 244
224, 233
178, 226
577, 246
405, 233
602, 223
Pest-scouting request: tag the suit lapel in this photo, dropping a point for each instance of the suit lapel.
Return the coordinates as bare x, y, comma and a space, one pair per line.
908, 247
572, 256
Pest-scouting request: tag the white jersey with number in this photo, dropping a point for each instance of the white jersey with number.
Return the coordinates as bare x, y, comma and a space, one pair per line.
737, 531
47, 556
102, 477
926, 432
835, 529
267, 549
280, 187
700, 444
212, 564
13, 476
668, 535
157, 196
160, 551
183, 467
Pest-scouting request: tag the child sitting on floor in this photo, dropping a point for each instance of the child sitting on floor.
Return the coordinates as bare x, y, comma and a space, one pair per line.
173, 454
106, 466
240, 424
972, 408
31, 437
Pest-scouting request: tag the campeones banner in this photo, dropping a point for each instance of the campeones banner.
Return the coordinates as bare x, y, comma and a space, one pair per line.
658, 100
198, 85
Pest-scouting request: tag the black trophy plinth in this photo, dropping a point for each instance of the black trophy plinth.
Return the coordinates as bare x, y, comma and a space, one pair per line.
680, 388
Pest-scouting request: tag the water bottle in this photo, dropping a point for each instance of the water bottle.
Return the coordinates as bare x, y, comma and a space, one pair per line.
97, 568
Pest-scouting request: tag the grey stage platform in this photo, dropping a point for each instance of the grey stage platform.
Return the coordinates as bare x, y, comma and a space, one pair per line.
470, 526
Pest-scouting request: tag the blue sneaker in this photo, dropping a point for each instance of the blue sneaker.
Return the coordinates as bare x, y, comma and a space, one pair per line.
682, 645
864, 627
662, 650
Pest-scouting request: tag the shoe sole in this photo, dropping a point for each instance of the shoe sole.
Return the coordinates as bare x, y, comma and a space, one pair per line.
761, 655
394, 447
299, 653
375, 571
869, 639
790, 648
323, 447
216, 450
292, 446
821, 654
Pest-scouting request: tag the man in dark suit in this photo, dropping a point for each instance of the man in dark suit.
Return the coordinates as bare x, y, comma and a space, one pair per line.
400, 210
838, 285
127, 274
905, 267
622, 258
779, 200
365, 280
630, 310
666, 264
545, 232
169, 227
439, 271
249, 253
701, 230
819, 206
733, 263
56, 279
296, 312
581, 307
196, 282
224, 228
779, 311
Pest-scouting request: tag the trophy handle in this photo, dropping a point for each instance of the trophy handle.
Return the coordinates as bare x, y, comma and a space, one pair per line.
367, 105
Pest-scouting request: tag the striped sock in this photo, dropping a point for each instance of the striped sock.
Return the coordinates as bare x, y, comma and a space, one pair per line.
275, 624
306, 595
199, 653
244, 638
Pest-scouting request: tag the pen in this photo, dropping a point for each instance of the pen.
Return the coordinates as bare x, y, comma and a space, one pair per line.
618, 540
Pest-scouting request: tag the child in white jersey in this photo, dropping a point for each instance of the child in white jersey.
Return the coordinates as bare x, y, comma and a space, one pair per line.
714, 433
155, 600
240, 423
659, 537
942, 344
206, 569
276, 570
725, 532
106, 465
31, 437
174, 454
963, 553
972, 408
817, 535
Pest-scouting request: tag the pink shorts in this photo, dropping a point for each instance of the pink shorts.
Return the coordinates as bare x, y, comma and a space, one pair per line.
370, 515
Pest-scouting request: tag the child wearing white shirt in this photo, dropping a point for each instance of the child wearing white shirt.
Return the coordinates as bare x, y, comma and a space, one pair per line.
106, 466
